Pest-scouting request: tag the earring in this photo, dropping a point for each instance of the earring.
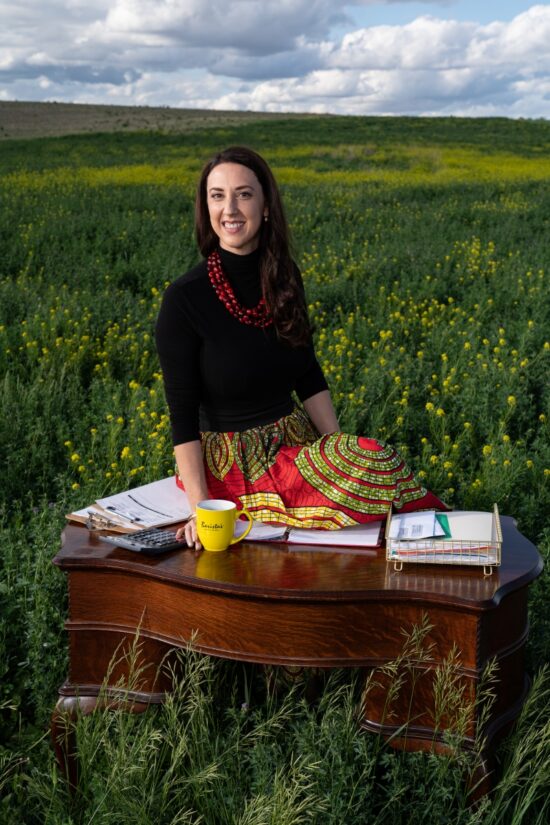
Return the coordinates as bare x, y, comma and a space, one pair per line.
265, 218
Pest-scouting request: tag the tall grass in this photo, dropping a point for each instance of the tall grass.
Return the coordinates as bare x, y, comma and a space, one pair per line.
226, 747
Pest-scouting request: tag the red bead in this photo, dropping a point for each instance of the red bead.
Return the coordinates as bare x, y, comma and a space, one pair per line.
257, 316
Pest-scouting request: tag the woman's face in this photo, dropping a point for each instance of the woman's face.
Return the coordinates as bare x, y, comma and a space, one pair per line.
236, 206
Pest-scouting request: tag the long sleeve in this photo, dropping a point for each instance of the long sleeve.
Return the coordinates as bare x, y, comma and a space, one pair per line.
178, 347
312, 380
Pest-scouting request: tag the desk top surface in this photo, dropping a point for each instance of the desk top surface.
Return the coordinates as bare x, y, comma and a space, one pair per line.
303, 572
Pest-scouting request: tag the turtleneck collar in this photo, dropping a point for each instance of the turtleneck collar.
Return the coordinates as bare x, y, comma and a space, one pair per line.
240, 264
243, 273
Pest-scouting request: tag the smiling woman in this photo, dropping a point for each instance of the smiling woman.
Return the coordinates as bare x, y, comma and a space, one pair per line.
234, 343
236, 207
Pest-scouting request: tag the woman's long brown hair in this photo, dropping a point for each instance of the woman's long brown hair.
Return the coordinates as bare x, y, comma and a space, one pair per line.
281, 287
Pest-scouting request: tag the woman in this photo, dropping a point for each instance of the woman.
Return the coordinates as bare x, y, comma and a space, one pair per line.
234, 343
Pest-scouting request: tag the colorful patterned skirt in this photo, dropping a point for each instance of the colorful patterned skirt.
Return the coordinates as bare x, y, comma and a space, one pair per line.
286, 473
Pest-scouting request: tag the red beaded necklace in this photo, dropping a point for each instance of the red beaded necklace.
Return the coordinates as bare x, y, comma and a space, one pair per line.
257, 316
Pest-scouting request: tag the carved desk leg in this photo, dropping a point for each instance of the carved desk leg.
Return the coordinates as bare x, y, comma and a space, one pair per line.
405, 719
62, 726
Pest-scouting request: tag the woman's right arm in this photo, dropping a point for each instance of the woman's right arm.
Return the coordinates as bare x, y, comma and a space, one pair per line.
178, 347
191, 471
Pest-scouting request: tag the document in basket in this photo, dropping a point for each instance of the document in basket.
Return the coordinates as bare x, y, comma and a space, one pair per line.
469, 537
414, 526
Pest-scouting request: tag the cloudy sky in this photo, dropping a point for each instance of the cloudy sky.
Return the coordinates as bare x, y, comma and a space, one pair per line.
460, 57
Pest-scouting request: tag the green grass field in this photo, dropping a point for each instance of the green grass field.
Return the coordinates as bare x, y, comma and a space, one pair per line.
424, 249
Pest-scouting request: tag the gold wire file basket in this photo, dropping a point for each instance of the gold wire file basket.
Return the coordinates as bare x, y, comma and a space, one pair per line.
475, 539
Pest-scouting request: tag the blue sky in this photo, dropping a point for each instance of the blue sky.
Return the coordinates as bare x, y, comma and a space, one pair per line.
438, 57
479, 11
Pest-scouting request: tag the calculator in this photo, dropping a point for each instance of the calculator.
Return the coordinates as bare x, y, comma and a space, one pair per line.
150, 542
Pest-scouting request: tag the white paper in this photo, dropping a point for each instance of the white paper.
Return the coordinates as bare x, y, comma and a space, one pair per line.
359, 535
414, 526
102, 515
472, 526
263, 532
152, 505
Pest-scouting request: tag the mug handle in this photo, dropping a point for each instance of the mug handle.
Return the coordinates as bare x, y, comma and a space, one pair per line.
242, 512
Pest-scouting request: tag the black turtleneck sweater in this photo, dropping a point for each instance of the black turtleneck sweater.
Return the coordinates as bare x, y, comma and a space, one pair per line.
220, 374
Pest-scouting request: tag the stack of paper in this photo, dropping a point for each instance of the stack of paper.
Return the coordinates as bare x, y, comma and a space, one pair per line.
459, 537
412, 526
359, 535
152, 505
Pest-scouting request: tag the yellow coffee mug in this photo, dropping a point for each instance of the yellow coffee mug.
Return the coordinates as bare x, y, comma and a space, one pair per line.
216, 519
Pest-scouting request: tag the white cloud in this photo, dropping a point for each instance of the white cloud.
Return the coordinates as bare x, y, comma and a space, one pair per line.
525, 38
248, 26
274, 55
426, 42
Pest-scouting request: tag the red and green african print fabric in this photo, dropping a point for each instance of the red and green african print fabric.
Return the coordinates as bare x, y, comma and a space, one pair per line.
286, 473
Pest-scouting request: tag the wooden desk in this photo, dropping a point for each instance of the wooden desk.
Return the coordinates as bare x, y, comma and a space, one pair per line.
298, 605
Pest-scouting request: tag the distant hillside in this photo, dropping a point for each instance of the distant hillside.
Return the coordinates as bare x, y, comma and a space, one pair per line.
29, 120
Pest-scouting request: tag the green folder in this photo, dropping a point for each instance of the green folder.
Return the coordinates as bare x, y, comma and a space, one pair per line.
444, 523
